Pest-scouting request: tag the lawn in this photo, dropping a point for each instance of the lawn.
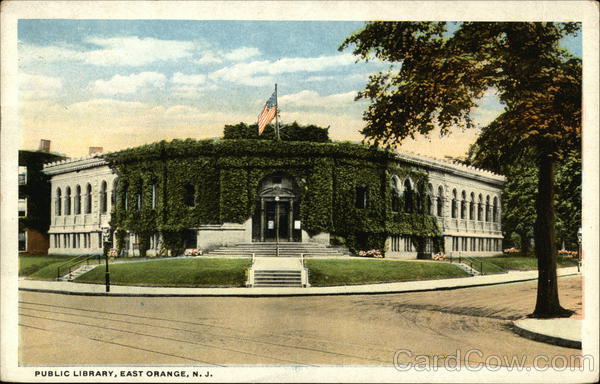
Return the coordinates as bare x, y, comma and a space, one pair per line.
41, 266
498, 264
193, 272
327, 272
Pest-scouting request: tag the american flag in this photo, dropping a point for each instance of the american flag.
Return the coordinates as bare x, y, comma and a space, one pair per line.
268, 113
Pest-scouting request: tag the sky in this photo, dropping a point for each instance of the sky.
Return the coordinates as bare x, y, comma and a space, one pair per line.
123, 83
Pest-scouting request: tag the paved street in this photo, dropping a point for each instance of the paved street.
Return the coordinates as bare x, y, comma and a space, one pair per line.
363, 329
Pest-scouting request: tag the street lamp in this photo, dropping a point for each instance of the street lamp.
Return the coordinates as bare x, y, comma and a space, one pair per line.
579, 237
106, 238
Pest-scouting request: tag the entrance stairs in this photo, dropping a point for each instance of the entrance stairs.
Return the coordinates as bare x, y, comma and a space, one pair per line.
78, 272
287, 249
277, 272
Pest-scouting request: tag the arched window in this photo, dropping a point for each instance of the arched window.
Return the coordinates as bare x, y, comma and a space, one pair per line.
189, 195
395, 194
153, 195
77, 201
103, 197
429, 200
58, 202
472, 207
113, 195
68, 201
138, 197
463, 205
408, 197
362, 196
454, 207
495, 215
487, 208
440, 201
480, 208
88, 199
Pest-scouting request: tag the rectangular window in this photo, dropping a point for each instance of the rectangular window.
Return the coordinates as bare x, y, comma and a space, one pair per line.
22, 207
22, 241
22, 175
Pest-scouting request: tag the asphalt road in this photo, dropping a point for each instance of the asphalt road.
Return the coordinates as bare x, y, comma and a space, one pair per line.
364, 329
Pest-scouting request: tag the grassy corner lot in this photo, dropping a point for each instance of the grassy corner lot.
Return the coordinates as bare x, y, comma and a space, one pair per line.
192, 272
41, 267
499, 264
328, 272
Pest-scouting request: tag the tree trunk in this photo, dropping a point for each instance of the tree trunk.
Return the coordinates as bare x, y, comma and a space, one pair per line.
547, 304
524, 244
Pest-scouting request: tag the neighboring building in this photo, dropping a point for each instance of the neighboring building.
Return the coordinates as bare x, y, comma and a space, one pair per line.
204, 194
34, 200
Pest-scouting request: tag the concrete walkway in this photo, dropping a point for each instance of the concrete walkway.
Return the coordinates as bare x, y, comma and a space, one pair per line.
408, 286
565, 332
277, 263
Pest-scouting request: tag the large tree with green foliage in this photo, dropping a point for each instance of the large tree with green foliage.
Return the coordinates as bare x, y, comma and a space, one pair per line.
436, 79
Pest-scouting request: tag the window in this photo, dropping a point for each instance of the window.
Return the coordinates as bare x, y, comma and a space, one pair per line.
58, 202
440, 202
22, 241
362, 197
487, 208
472, 207
495, 212
138, 197
68, 201
453, 207
480, 209
22, 175
408, 196
189, 195
88, 199
23, 207
113, 195
395, 194
463, 205
153, 196
77, 201
103, 197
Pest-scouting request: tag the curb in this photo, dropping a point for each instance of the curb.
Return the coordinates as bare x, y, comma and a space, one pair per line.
575, 344
278, 291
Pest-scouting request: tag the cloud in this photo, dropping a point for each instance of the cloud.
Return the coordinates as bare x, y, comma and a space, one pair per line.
180, 78
258, 73
218, 57
129, 84
119, 51
38, 86
309, 98
242, 54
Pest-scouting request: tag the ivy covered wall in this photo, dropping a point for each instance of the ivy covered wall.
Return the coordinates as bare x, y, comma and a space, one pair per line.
224, 176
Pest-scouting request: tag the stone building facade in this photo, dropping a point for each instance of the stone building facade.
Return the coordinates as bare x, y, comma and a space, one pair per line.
465, 202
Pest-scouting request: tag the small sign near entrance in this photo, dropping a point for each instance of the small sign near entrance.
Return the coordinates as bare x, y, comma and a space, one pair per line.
297, 224
270, 224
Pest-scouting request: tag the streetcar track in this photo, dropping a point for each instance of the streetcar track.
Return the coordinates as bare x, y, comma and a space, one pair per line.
209, 325
215, 335
163, 338
125, 345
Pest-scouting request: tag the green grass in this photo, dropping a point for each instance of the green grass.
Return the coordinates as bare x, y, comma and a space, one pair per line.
196, 272
499, 264
346, 272
41, 266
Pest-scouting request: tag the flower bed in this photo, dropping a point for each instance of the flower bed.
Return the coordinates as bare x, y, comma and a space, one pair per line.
511, 251
565, 253
192, 252
441, 256
376, 253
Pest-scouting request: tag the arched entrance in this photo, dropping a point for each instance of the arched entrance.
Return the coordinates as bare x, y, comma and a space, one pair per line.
277, 213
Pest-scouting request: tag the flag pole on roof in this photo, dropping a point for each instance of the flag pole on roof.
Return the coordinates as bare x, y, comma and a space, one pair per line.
269, 112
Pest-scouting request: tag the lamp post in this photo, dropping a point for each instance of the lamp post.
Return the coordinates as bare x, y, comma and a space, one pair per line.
579, 237
106, 238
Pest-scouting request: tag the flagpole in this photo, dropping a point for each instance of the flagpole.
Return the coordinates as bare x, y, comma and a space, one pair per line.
276, 115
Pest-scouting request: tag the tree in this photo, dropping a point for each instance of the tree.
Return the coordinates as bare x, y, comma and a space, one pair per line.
436, 79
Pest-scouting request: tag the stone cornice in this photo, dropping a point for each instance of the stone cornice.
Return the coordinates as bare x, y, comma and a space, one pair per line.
74, 164
452, 167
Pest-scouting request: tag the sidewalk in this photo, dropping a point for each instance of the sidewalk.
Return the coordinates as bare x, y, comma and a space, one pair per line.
408, 286
565, 332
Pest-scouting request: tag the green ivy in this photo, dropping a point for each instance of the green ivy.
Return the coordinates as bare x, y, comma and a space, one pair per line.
226, 174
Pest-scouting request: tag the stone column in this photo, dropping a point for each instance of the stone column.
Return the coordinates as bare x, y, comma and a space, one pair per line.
262, 219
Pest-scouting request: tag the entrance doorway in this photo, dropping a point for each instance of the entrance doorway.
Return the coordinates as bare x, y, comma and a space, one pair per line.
277, 214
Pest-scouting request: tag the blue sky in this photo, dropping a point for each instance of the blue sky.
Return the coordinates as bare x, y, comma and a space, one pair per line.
120, 83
